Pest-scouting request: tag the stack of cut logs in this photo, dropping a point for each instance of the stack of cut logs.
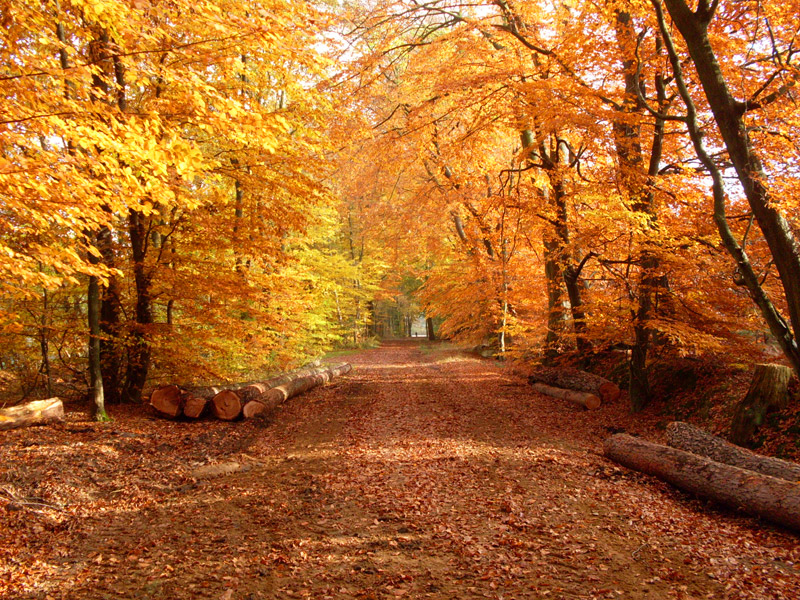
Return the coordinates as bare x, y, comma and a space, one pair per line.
244, 399
714, 469
579, 387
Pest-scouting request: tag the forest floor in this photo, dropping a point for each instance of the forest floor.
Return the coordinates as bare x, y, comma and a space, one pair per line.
424, 473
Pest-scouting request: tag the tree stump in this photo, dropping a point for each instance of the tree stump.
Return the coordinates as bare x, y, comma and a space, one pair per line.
768, 389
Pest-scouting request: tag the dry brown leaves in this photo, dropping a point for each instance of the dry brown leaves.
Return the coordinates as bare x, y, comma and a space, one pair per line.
423, 474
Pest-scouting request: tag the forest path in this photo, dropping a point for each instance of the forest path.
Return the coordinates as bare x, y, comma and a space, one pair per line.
425, 473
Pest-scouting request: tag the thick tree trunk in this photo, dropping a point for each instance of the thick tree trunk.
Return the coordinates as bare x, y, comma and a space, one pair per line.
429, 329
685, 436
760, 495
584, 399
768, 389
574, 379
38, 412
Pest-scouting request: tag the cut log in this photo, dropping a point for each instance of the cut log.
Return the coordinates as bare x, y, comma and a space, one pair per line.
575, 379
584, 399
195, 405
685, 436
37, 412
227, 405
171, 400
271, 398
763, 496
768, 389
168, 400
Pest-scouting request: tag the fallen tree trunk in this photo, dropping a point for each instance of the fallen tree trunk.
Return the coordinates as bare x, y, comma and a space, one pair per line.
763, 496
37, 412
279, 394
230, 404
575, 379
685, 436
584, 399
769, 388
172, 400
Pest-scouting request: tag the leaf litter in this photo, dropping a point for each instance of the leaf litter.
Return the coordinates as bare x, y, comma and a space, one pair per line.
425, 473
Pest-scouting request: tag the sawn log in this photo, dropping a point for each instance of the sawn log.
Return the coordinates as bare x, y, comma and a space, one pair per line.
173, 401
37, 412
575, 379
759, 495
271, 398
685, 436
584, 399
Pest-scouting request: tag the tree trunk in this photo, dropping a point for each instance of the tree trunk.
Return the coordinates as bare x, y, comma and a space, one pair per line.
760, 495
574, 379
139, 350
768, 389
685, 436
229, 404
95, 372
37, 412
730, 117
584, 399
110, 311
430, 330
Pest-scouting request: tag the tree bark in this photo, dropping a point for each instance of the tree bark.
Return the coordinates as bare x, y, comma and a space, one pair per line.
37, 412
768, 389
574, 379
584, 399
760, 495
685, 436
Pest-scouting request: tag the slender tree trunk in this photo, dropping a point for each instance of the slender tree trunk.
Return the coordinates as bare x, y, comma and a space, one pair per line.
635, 179
44, 344
110, 326
139, 350
95, 372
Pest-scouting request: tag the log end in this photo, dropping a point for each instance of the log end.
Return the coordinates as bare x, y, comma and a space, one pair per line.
226, 405
253, 409
166, 399
609, 391
194, 406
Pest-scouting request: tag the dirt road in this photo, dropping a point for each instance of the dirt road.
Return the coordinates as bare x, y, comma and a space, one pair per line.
424, 473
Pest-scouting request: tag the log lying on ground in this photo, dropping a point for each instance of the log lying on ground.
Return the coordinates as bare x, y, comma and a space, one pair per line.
769, 388
575, 379
172, 401
278, 394
763, 496
229, 404
37, 412
685, 436
584, 399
